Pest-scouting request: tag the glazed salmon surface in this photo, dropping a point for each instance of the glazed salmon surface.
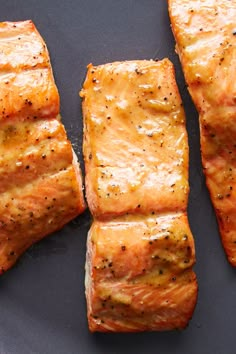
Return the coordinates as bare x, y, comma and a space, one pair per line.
135, 139
40, 179
205, 33
140, 250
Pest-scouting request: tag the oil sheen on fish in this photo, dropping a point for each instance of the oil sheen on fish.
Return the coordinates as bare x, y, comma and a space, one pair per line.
40, 178
140, 250
205, 33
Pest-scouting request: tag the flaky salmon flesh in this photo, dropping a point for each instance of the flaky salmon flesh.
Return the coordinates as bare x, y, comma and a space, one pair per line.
40, 178
140, 249
205, 33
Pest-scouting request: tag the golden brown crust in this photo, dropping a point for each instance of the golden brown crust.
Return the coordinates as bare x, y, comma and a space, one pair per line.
141, 274
140, 249
135, 145
41, 187
28, 90
206, 42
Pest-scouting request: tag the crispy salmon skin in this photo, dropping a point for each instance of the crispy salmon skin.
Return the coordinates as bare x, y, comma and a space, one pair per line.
205, 34
40, 178
140, 249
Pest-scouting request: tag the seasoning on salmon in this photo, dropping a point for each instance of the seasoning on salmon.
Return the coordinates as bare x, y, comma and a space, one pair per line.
206, 44
40, 178
140, 250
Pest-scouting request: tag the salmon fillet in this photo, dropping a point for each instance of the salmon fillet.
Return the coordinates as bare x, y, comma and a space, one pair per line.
140, 250
40, 178
205, 34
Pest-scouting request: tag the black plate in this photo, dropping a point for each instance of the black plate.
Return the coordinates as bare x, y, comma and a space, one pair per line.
42, 304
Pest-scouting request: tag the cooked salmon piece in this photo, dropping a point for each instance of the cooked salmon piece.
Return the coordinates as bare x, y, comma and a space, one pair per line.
140, 250
40, 177
139, 273
205, 33
28, 89
135, 144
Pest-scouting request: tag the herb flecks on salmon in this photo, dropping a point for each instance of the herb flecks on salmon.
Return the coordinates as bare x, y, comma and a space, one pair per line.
140, 249
40, 179
206, 44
